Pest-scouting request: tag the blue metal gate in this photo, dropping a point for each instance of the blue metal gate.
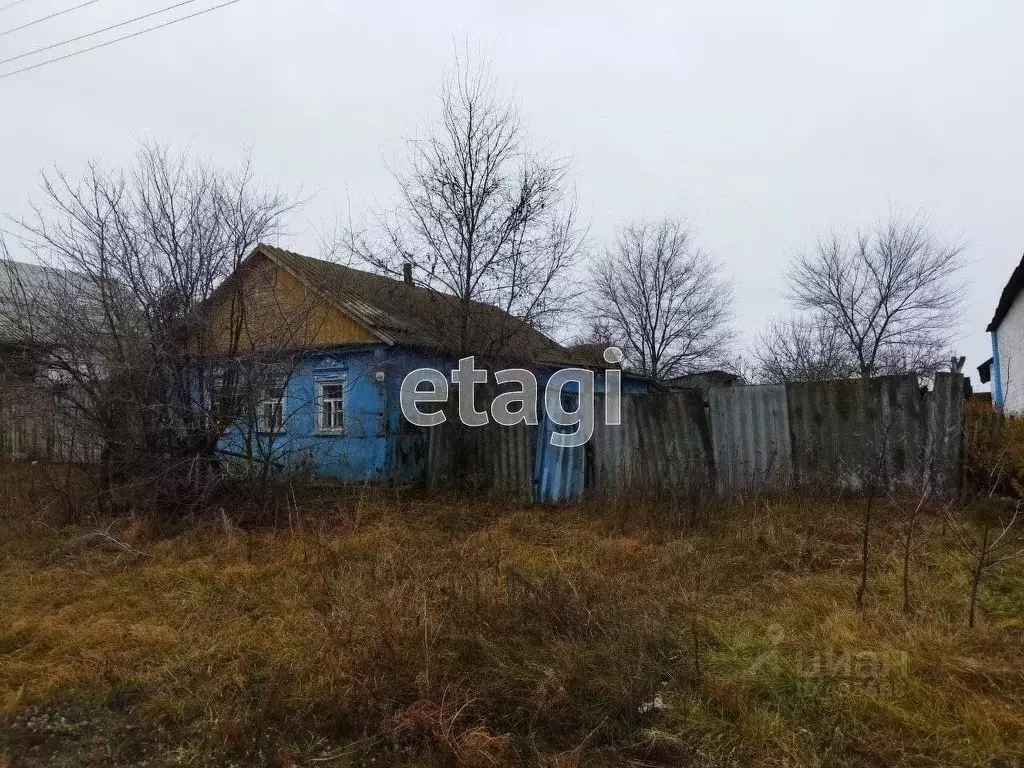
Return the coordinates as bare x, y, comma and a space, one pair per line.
560, 472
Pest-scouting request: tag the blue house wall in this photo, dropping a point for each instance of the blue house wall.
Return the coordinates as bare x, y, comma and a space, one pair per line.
997, 379
360, 452
377, 444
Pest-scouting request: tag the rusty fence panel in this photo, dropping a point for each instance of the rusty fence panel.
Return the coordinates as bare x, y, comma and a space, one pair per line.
662, 447
851, 433
750, 431
493, 460
842, 435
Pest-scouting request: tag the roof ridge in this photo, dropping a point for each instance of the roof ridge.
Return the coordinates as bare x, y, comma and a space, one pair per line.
396, 282
1009, 295
426, 289
398, 312
330, 263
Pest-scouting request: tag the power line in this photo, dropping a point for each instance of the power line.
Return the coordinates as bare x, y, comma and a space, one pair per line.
118, 39
11, 5
97, 32
47, 18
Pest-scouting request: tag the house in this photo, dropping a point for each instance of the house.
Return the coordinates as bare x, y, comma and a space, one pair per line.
332, 345
22, 435
1005, 369
35, 419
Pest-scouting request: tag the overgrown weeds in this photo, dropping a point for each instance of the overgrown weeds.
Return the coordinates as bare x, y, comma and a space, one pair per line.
374, 626
993, 450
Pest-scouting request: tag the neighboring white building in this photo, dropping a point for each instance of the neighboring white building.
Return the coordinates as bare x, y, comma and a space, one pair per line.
1006, 368
36, 420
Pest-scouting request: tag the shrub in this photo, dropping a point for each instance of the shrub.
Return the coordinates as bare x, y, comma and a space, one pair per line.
993, 451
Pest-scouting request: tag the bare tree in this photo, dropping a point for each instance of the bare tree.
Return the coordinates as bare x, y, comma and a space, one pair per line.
1000, 540
118, 311
910, 509
809, 348
872, 477
665, 298
891, 292
483, 220
599, 333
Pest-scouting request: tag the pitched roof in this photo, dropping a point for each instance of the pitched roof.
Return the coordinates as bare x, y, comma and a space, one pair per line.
34, 297
402, 314
1010, 293
19, 283
589, 354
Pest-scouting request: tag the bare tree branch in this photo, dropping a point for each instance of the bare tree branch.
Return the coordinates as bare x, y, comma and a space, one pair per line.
483, 220
116, 314
804, 348
664, 298
892, 294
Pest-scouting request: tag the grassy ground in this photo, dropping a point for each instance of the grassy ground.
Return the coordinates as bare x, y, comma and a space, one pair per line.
380, 631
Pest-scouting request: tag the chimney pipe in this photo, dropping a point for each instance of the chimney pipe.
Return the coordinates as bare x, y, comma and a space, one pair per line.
407, 273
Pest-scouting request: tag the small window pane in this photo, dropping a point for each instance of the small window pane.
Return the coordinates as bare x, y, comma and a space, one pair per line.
334, 391
271, 410
332, 407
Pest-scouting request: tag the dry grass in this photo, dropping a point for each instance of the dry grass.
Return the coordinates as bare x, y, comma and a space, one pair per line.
402, 631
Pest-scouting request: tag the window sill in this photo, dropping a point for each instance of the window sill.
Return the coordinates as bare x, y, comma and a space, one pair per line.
331, 432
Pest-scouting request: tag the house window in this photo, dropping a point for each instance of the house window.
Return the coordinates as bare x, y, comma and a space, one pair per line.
221, 401
268, 275
270, 411
331, 399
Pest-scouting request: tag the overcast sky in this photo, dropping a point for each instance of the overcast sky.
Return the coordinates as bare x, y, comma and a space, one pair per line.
762, 123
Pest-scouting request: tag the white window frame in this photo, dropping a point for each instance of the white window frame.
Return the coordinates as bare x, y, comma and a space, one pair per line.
262, 425
339, 402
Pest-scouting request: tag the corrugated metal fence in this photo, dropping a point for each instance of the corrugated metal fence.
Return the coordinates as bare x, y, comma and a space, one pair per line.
494, 460
832, 435
663, 446
750, 431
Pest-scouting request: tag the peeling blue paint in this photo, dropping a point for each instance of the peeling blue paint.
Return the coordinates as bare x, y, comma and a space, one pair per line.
372, 446
560, 471
376, 443
997, 384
